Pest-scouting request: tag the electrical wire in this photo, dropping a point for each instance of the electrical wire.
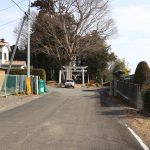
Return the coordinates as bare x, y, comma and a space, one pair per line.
10, 6
7, 27
9, 22
18, 6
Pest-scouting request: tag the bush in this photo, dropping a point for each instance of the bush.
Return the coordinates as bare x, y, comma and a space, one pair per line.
146, 99
142, 73
37, 72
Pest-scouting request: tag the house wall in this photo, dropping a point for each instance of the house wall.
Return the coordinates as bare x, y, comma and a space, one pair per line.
0, 56
5, 50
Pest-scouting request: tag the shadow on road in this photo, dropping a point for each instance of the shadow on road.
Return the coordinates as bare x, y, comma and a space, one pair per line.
91, 90
110, 106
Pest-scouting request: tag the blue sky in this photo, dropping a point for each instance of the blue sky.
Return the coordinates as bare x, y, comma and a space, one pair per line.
132, 18
12, 15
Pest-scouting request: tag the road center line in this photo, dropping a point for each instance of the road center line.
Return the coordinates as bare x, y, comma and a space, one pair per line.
144, 146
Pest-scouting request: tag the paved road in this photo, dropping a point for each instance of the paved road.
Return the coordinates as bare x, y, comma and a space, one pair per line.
65, 119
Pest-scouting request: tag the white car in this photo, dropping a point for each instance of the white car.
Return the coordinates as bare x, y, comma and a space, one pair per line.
69, 83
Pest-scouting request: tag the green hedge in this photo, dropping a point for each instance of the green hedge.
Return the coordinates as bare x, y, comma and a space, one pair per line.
146, 99
142, 73
37, 72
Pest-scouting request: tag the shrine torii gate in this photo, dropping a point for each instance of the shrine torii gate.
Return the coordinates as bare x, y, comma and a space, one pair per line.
69, 72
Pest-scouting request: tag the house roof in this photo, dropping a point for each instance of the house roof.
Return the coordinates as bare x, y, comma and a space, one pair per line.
1, 69
15, 63
5, 44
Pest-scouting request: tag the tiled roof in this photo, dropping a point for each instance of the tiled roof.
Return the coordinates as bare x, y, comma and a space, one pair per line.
15, 63
3, 43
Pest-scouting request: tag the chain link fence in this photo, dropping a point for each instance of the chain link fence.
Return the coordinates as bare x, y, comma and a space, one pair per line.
13, 84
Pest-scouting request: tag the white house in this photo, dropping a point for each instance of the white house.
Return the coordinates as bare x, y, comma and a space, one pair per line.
4, 57
4, 51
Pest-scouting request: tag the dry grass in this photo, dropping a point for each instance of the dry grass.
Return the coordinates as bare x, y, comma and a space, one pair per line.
141, 124
138, 121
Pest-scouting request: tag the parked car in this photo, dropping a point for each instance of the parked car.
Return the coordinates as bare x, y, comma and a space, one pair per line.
69, 83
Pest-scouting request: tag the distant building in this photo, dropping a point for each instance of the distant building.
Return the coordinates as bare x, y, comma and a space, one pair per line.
4, 57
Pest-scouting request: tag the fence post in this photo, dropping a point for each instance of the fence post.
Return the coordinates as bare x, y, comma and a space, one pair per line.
111, 89
36, 84
139, 99
21, 83
16, 85
115, 87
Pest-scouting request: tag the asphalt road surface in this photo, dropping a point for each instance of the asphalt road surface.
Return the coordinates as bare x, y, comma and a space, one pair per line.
65, 119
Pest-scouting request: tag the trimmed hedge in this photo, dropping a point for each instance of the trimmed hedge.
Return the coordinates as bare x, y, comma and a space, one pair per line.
146, 99
37, 72
142, 73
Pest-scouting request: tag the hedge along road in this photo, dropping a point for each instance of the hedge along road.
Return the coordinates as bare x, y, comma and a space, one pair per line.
65, 119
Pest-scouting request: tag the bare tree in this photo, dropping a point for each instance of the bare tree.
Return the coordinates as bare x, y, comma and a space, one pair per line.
65, 28
24, 34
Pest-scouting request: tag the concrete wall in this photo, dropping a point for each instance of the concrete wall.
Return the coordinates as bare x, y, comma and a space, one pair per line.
130, 92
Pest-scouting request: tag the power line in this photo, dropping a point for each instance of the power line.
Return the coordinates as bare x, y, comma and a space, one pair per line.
9, 22
18, 6
10, 6
6, 27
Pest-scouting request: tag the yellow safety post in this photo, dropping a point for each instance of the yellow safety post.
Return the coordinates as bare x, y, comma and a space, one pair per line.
28, 85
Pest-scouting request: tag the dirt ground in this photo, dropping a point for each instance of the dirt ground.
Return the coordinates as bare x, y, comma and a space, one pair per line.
13, 101
138, 121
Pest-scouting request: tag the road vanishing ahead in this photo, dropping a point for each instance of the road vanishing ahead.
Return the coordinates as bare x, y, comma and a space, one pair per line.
65, 119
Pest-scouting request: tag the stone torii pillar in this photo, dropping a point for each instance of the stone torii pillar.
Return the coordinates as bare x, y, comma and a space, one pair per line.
69, 72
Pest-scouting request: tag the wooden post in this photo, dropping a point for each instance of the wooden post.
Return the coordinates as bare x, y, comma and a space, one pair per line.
83, 77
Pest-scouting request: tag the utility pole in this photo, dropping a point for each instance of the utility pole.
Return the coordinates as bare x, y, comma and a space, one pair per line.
28, 83
28, 52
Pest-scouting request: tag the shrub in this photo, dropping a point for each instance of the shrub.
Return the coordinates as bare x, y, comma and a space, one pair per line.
146, 100
37, 72
142, 73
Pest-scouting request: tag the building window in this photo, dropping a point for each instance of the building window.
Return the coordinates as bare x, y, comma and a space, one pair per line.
5, 56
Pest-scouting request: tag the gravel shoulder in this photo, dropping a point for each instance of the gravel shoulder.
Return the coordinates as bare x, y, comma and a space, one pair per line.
141, 124
137, 121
